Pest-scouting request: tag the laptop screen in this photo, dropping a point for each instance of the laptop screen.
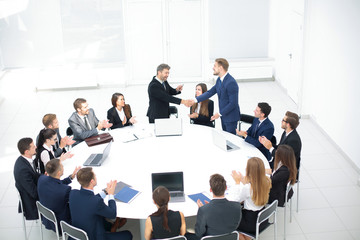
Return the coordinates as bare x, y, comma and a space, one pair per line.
173, 181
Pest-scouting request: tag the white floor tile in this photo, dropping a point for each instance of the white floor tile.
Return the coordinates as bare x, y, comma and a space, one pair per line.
342, 196
329, 178
329, 236
355, 234
311, 199
349, 216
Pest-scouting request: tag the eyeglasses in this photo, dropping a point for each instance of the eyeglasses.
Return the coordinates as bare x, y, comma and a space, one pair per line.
284, 120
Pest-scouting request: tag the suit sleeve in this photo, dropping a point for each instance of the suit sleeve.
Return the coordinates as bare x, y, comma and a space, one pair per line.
106, 211
200, 226
111, 117
172, 91
281, 176
27, 181
78, 132
233, 93
161, 95
207, 94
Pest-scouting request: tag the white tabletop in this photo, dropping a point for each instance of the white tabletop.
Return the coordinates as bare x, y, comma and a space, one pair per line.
133, 162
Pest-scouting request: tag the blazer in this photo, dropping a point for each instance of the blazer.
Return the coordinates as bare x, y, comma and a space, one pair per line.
57, 150
88, 212
79, 129
203, 120
114, 118
266, 129
38, 162
54, 194
294, 141
159, 99
26, 183
279, 182
228, 94
219, 216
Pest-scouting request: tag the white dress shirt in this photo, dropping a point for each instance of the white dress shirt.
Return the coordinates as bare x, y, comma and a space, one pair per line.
242, 193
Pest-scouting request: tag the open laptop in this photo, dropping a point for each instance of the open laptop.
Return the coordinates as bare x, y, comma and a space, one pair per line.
168, 127
220, 141
173, 181
98, 158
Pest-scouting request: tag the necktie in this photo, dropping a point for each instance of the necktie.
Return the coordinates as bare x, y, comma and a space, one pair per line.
163, 83
256, 128
87, 123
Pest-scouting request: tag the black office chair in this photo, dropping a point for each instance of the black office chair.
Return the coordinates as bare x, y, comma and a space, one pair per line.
246, 119
173, 111
69, 131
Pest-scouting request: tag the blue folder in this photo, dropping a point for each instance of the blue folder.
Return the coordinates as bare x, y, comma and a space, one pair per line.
200, 196
126, 194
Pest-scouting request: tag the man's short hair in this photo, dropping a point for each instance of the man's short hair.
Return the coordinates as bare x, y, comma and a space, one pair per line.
48, 119
223, 62
84, 176
265, 108
78, 102
292, 119
161, 67
24, 144
217, 184
53, 166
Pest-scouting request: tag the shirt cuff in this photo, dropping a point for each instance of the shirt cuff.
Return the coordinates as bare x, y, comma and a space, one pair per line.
271, 149
195, 100
102, 194
111, 197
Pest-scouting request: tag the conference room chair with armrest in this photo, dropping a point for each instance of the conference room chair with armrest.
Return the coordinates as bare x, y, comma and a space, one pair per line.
69, 131
246, 119
173, 111
297, 189
174, 238
22, 213
288, 189
71, 231
49, 215
264, 215
228, 236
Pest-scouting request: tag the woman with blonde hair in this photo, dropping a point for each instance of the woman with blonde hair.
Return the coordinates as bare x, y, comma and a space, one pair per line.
164, 223
200, 113
253, 190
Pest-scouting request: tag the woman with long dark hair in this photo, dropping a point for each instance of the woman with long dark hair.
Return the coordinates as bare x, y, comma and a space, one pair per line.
284, 171
120, 114
164, 223
253, 190
200, 113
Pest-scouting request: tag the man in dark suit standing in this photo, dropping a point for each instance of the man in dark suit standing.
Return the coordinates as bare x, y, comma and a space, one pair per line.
88, 211
161, 94
26, 178
261, 126
219, 216
84, 123
54, 193
227, 90
290, 137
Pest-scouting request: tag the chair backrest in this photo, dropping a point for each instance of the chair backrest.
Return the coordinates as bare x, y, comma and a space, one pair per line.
228, 236
21, 203
69, 230
267, 212
288, 189
48, 214
69, 132
180, 237
247, 118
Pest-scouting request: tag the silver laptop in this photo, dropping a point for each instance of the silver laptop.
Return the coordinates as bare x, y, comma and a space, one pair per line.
98, 158
168, 127
220, 141
173, 181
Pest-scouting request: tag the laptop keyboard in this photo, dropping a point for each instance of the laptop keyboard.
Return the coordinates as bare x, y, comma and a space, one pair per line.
228, 147
96, 159
176, 194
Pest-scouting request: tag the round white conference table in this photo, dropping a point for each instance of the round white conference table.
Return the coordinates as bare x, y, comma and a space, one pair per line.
132, 162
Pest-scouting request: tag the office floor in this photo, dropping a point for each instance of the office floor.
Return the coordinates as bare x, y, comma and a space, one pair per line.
329, 206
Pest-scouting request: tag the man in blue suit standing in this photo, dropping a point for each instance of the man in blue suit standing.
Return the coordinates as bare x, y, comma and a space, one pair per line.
228, 94
261, 126
88, 211
54, 193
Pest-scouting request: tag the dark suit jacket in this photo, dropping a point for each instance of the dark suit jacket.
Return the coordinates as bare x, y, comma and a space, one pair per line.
114, 118
203, 120
294, 141
79, 129
54, 194
278, 185
266, 129
228, 94
220, 216
26, 182
57, 150
159, 100
88, 212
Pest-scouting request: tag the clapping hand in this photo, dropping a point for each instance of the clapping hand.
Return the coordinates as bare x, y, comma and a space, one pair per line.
215, 116
179, 88
266, 142
66, 155
111, 187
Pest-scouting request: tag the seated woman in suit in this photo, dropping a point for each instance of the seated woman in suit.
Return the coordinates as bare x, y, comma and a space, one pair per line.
45, 150
284, 171
200, 113
164, 223
120, 114
253, 190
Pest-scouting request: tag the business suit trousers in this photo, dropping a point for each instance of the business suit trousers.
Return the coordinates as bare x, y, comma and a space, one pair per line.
229, 126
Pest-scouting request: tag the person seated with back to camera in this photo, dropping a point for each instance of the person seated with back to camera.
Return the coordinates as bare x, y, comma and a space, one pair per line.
284, 171
120, 114
200, 113
252, 189
164, 223
45, 151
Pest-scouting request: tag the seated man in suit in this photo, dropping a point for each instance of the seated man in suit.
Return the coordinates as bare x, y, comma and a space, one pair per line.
54, 193
261, 126
50, 121
26, 178
88, 211
290, 137
84, 123
161, 94
219, 216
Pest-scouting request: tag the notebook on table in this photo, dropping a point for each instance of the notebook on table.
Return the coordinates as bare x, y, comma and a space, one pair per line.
221, 141
98, 158
173, 181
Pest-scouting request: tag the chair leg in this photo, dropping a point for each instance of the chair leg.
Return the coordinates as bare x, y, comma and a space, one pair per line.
275, 227
290, 210
297, 196
285, 221
24, 226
